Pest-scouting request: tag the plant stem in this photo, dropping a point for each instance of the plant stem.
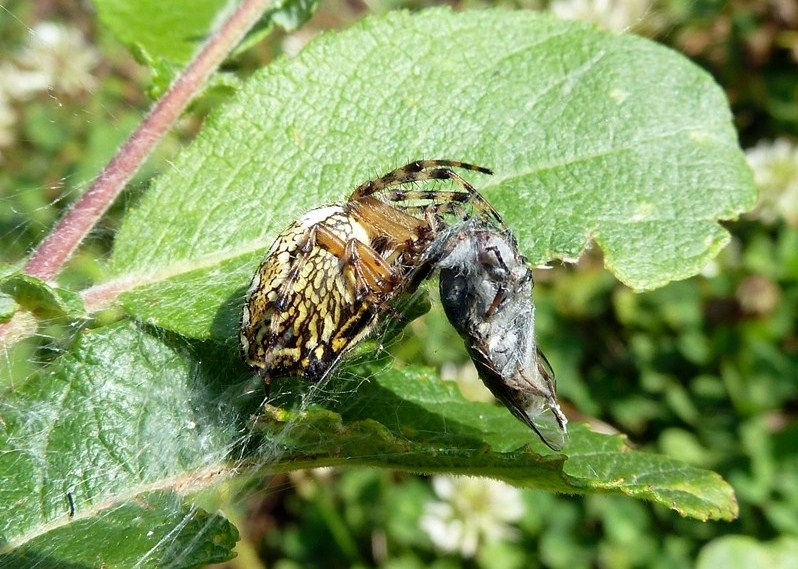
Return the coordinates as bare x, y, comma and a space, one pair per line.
50, 256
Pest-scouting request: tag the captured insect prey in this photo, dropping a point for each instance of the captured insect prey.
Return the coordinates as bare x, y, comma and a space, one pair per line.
486, 291
326, 279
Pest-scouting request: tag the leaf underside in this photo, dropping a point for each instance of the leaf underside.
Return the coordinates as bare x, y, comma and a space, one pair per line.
133, 418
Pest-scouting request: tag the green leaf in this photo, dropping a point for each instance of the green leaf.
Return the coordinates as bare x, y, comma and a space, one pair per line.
410, 420
590, 135
40, 298
155, 530
165, 35
123, 414
290, 15
130, 411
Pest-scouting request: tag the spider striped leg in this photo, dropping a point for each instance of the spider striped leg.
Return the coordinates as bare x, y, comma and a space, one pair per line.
437, 198
414, 172
283, 298
286, 287
456, 207
372, 280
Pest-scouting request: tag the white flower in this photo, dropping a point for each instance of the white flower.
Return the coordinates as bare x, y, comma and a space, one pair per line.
471, 511
59, 58
614, 15
775, 166
21, 84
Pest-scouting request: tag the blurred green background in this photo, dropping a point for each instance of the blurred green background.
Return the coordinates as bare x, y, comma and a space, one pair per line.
703, 370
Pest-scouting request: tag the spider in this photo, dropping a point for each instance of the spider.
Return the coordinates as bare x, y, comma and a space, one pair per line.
486, 291
326, 279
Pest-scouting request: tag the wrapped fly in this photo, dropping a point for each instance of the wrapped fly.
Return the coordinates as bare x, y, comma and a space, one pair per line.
486, 291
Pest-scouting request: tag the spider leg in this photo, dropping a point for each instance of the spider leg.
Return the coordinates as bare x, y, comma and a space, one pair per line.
490, 256
371, 272
441, 198
429, 170
371, 279
401, 195
498, 300
413, 172
284, 294
482, 257
430, 212
273, 321
286, 287
374, 277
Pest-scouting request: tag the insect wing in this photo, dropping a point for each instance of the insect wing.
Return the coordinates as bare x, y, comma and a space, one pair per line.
550, 423
539, 412
546, 424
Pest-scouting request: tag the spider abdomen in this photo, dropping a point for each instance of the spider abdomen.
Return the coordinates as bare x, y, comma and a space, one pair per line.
301, 299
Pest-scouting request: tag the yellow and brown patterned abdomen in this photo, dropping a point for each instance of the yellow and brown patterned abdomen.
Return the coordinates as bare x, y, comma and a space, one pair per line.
303, 308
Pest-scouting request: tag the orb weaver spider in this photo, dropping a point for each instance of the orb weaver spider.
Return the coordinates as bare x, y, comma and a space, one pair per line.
325, 280
486, 291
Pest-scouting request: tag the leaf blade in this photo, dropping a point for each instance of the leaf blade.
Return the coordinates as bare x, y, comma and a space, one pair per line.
131, 411
588, 144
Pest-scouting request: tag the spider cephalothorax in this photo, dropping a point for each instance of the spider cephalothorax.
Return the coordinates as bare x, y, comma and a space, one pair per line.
326, 278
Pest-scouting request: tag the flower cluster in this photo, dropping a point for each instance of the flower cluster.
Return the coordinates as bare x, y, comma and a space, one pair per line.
614, 15
471, 512
775, 166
